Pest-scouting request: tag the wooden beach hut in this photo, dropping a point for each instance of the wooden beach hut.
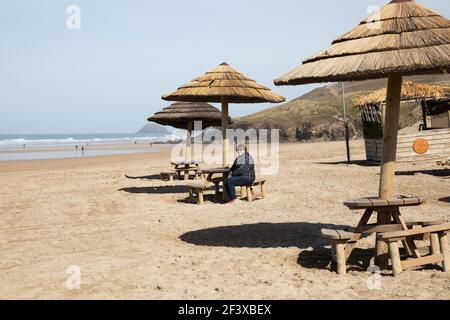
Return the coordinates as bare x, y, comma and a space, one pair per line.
432, 139
224, 85
404, 38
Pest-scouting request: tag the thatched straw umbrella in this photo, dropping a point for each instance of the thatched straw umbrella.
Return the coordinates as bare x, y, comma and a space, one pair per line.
404, 38
183, 115
410, 92
224, 85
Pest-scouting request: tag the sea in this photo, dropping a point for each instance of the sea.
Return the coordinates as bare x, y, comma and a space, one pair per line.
57, 146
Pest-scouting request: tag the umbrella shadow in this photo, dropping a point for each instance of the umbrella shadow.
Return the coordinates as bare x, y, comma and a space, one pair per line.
435, 173
445, 199
316, 252
157, 190
151, 177
361, 163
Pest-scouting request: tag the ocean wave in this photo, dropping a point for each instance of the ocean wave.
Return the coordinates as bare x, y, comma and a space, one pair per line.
39, 141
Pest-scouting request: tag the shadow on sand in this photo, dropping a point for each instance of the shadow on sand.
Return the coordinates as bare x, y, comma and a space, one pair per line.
152, 177
302, 235
361, 163
446, 199
435, 173
157, 190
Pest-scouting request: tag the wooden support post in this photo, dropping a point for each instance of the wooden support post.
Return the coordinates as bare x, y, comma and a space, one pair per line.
435, 246
382, 250
191, 195
201, 200
263, 191
186, 173
341, 260
443, 239
395, 258
249, 194
217, 191
424, 114
225, 124
242, 192
390, 136
391, 121
189, 143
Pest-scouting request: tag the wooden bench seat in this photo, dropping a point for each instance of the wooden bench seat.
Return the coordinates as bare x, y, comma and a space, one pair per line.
196, 192
249, 192
187, 172
444, 163
439, 247
168, 176
339, 240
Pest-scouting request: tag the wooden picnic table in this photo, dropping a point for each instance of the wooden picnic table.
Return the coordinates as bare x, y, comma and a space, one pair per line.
444, 163
211, 177
186, 167
389, 218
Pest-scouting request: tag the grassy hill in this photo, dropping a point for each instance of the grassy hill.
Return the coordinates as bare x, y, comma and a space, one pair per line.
318, 115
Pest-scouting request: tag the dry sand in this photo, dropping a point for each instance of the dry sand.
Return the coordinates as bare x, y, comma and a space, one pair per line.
132, 238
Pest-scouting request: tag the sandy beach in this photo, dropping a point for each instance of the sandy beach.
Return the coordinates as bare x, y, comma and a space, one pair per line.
134, 237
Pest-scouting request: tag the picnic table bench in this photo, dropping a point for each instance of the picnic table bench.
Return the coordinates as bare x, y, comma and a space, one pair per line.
248, 191
389, 219
444, 163
217, 178
183, 169
439, 247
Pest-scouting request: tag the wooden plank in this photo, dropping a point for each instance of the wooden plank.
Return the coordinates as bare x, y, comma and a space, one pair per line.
425, 223
438, 147
436, 141
336, 234
410, 246
415, 159
426, 133
358, 232
441, 137
412, 232
197, 185
412, 263
375, 228
396, 202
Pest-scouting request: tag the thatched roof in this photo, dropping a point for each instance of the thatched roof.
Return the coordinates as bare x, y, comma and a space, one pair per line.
224, 81
179, 114
404, 38
410, 92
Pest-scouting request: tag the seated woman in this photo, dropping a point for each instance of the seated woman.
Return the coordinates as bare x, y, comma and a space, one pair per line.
242, 173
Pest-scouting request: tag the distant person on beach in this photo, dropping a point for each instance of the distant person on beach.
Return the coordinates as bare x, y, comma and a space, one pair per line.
82, 151
76, 148
24, 146
242, 173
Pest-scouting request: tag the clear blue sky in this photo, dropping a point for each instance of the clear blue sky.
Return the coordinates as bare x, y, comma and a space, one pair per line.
109, 76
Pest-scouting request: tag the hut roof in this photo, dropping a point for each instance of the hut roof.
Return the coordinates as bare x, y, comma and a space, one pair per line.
179, 114
404, 37
410, 92
224, 81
